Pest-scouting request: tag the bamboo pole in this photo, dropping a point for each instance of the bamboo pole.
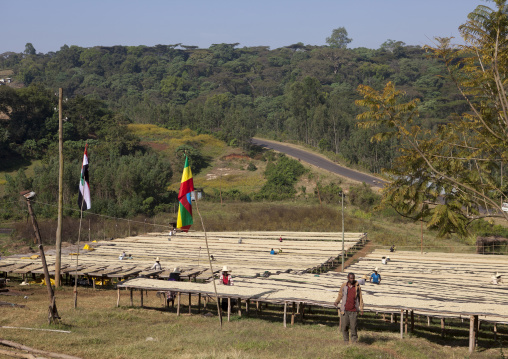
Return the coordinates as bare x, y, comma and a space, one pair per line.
405, 321
412, 321
58, 243
473, 319
77, 257
210, 264
285, 314
402, 324
53, 313
229, 308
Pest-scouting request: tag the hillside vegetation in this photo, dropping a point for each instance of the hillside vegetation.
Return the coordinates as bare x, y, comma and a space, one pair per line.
299, 92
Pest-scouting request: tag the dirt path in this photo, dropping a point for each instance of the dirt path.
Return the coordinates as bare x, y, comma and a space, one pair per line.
369, 247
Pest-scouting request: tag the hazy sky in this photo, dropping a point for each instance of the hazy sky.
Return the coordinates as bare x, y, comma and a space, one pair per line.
50, 24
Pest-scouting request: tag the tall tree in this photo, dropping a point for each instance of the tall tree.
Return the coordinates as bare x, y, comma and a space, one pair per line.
454, 175
29, 49
339, 38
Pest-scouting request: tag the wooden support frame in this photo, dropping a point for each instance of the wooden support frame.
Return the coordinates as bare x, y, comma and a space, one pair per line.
473, 332
402, 324
178, 295
229, 309
406, 318
285, 314
412, 321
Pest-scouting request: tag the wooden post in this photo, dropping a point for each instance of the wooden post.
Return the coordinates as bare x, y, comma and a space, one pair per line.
285, 313
132, 301
384, 317
405, 322
247, 304
118, 298
495, 331
293, 314
401, 323
141, 293
229, 308
391, 318
199, 303
442, 327
303, 312
53, 313
239, 307
58, 243
428, 321
190, 304
178, 304
412, 321
257, 307
473, 327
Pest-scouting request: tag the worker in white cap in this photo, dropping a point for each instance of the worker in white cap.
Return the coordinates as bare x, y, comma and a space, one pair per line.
225, 277
157, 264
496, 278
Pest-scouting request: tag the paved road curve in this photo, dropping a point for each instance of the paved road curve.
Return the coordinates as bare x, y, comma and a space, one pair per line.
320, 162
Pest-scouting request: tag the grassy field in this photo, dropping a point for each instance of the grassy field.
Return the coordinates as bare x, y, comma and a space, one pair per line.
100, 330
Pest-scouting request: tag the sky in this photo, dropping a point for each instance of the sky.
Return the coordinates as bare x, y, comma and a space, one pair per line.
48, 25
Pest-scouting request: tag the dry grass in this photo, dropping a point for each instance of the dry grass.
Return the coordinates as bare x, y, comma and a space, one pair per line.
100, 330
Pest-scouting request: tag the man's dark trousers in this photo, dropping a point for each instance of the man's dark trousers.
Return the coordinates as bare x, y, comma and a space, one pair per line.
348, 324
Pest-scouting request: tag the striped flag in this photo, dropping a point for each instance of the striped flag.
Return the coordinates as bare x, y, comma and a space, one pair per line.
184, 219
84, 201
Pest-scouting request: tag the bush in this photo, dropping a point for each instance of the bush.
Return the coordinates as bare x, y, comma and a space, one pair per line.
363, 197
251, 167
329, 193
281, 179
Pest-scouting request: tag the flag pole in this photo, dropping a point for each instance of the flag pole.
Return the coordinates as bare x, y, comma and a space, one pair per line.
77, 258
210, 263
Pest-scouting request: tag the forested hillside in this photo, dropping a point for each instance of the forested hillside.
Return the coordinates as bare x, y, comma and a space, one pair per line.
299, 92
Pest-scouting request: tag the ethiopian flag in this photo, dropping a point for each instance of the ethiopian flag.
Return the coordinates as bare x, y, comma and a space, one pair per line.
84, 201
184, 220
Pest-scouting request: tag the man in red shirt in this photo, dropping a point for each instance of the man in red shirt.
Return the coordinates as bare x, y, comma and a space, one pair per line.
351, 304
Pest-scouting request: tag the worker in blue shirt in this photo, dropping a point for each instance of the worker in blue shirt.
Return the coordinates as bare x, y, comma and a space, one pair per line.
375, 277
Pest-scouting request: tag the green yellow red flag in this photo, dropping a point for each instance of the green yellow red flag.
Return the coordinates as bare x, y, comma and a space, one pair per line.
184, 219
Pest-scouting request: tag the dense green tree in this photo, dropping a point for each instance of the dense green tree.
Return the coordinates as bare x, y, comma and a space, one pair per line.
29, 49
452, 175
339, 38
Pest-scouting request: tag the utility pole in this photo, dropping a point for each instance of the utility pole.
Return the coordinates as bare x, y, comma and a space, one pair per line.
52, 312
421, 241
58, 244
342, 231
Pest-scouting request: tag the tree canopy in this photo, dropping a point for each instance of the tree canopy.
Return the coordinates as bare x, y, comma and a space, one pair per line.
453, 175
